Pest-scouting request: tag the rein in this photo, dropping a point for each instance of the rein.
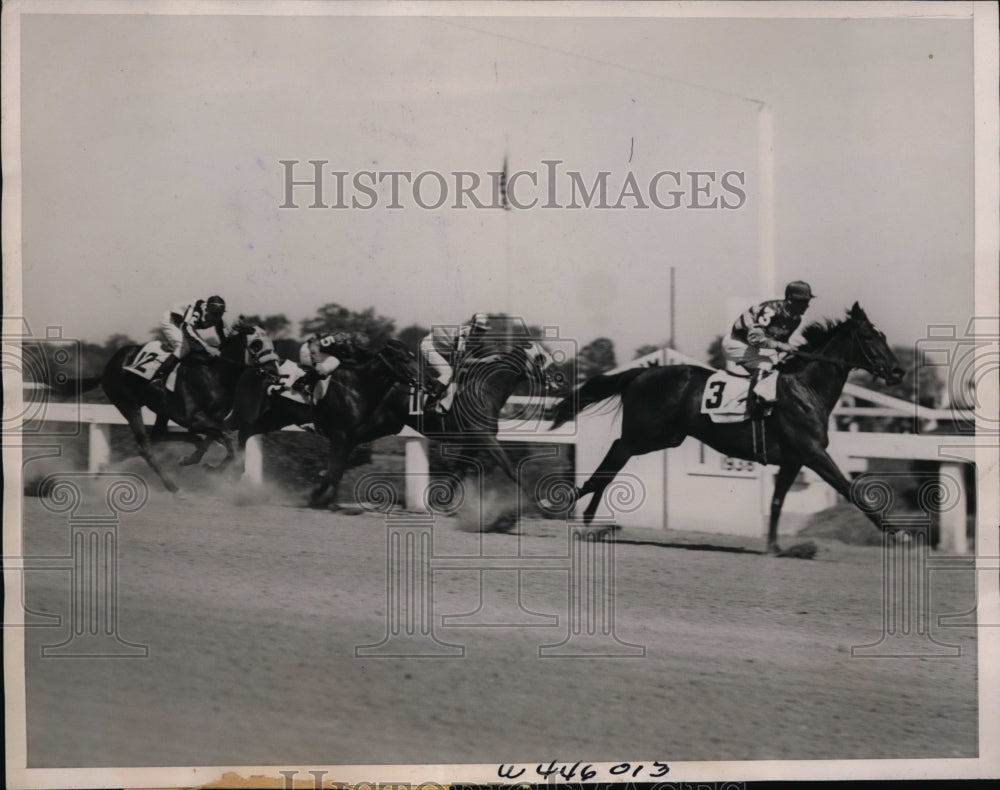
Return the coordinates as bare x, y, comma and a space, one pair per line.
869, 365
402, 375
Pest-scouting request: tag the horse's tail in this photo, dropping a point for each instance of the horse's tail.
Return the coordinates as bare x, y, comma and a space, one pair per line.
594, 391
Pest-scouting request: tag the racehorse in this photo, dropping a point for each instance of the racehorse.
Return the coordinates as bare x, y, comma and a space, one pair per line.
661, 406
485, 378
202, 396
362, 403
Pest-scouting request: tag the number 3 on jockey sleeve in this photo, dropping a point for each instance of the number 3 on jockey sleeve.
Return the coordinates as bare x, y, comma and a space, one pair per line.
765, 316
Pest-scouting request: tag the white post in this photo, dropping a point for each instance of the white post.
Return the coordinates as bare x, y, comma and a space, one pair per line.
98, 447
253, 461
952, 523
418, 474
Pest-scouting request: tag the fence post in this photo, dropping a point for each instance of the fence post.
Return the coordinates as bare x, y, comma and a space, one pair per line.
953, 519
253, 461
418, 474
98, 447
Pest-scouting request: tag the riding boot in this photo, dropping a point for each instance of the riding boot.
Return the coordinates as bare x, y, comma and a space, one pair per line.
449, 395
435, 392
305, 383
159, 380
755, 405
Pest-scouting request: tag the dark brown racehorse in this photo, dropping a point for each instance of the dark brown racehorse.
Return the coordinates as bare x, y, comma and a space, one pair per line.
200, 400
661, 406
485, 379
371, 398
363, 402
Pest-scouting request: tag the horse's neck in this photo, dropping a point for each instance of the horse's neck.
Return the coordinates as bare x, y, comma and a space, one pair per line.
374, 377
498, 385
233, 352
827, 379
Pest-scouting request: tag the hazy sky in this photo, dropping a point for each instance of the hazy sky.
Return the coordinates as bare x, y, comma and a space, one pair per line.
151, 149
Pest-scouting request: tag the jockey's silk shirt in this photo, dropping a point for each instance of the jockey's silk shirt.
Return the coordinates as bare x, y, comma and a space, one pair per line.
450, 339
191, 313
766, 324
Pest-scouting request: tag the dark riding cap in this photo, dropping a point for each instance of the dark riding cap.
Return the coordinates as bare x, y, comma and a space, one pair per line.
798, 291
215, 305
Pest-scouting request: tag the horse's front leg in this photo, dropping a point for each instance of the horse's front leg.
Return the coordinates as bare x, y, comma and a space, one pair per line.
823, 465
336, 466
202, 423
224, 439
200, 448
495, 451
782, 483
135, 421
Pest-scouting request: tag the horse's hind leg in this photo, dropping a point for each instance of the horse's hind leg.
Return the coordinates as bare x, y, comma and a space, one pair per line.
135, 422
612, 464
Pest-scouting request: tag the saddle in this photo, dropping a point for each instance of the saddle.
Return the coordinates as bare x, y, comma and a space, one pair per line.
726, 397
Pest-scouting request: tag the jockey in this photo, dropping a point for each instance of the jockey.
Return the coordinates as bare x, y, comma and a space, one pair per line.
761, 334
444, 342
182, 325
320, 355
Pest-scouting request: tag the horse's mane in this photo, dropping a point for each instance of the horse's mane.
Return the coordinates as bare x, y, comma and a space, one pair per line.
818, 333
816, 336
397, 345
497, 348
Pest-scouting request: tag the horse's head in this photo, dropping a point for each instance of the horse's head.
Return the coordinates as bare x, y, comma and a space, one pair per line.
543, 365
494, 370
869, 349
249, 344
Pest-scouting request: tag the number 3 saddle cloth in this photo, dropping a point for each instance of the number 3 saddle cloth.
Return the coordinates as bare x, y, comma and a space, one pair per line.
725, 396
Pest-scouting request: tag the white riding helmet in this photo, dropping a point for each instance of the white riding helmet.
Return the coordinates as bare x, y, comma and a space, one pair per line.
480, 321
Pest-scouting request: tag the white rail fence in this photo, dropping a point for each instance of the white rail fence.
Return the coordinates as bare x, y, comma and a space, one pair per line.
950, 452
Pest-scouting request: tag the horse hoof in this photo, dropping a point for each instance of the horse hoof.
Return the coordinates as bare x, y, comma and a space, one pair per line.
188, 460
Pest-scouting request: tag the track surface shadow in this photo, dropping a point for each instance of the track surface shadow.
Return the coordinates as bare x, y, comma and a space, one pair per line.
689, 546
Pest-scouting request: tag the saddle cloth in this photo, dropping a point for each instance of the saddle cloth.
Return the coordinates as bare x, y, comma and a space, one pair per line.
417, 399
290, 373
725, 396
148, 360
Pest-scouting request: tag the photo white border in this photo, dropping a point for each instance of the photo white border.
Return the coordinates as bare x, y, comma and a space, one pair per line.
987, 303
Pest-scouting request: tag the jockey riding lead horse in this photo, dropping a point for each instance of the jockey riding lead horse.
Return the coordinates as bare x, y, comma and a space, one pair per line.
661, 406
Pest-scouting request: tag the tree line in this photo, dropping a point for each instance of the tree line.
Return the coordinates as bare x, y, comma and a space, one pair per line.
372, 329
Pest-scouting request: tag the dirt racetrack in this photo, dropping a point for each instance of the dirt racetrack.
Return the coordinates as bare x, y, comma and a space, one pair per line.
252, 615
